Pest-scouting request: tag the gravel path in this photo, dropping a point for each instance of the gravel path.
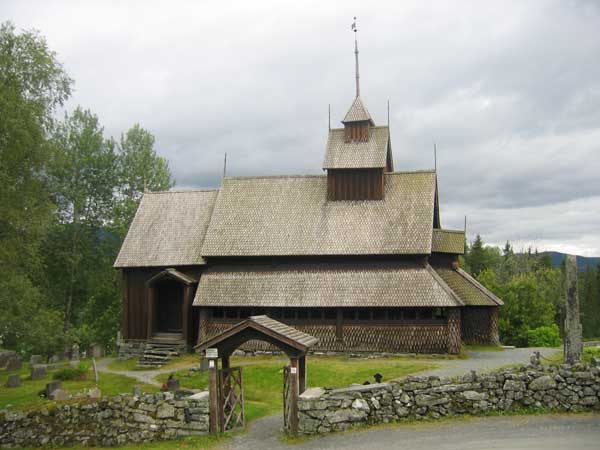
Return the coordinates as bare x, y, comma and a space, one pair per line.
144, 376
486, 361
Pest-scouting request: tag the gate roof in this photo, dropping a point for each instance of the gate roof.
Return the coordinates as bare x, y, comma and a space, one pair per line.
292, 341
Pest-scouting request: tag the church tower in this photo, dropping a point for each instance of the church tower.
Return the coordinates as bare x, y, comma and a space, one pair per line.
359, 154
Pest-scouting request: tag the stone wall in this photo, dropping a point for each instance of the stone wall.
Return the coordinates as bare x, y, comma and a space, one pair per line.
108, 421
563, 388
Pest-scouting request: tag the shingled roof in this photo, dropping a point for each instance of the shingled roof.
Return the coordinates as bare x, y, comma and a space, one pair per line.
357, 154
448, 241
358, 112
325, 285
168, 229
290, 215
471, 292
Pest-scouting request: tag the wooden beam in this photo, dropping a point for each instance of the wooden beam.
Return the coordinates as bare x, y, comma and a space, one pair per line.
294, 395
150, 303
213, 393
302, 374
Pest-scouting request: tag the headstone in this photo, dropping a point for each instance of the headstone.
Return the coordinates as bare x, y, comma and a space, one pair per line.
573, 340
15, 363
59, 395
54, 359
6, 356
75, 352
97, 351
35, 359
52, 386
94, 393
172, 383
14, 380
535, 359
38, 372
136, 391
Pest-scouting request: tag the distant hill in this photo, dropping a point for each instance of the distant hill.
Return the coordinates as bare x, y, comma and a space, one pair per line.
582, 261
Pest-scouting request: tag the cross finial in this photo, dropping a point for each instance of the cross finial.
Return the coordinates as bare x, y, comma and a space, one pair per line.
354, 28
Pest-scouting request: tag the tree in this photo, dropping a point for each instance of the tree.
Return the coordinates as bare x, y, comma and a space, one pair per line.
32, 85
140, 169
84, 176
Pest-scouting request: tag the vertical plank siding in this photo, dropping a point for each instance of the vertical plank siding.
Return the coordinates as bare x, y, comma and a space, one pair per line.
355, 184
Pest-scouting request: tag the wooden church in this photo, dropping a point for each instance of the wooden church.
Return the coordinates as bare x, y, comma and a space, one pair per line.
356, 257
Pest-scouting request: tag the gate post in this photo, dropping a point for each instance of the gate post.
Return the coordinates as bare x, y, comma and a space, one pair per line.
213, 394
294, 395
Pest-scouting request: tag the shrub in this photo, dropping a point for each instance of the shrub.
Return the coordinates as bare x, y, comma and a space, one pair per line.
79, 372
547, 336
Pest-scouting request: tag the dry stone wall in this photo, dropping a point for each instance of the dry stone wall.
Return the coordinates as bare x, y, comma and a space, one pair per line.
109, 421
566, 388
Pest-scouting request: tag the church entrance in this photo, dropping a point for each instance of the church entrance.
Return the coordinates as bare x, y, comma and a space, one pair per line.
169, 307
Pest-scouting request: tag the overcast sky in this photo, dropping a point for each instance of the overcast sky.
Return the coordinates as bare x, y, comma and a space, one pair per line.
509, 91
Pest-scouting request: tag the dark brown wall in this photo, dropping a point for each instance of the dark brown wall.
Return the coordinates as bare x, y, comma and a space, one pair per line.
357, 132
355, 184
135, 310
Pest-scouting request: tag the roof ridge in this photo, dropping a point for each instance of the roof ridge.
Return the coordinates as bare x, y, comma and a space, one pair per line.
183, 191
410, 172
447, 230
250, 177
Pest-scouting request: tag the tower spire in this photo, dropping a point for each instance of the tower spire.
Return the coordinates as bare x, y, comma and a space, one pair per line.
355, 29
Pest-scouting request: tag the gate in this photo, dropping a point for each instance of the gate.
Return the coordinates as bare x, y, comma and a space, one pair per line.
287, 391
231, 399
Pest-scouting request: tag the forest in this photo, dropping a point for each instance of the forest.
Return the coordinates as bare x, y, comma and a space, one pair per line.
68, 194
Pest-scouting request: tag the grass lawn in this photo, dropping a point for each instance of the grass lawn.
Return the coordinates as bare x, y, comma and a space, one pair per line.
589, 352
263, 376
26, 395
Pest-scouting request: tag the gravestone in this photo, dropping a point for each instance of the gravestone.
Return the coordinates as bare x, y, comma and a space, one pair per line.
52, 386
38, 372
15, 363
573, 332
172, 383
96, 351
35, 359
6, 356
136, 391
94, 393
54, 359
14, 380
75, 352
59, 395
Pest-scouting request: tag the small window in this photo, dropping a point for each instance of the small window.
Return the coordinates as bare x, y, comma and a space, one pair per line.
302, 314
379, 314
364, 314
217, 313
426, 314
259, 312
439, 313
330, 314
395, 314
409, 314
316, 314
349, 314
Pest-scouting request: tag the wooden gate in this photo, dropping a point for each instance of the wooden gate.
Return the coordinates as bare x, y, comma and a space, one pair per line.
287, 391
231, 399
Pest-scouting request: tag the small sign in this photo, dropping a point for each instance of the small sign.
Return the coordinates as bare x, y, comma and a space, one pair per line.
293, 370
212, 353
211, 363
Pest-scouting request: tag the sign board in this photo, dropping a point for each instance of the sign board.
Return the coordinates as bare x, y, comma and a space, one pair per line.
212, 353
293, 370
211, 364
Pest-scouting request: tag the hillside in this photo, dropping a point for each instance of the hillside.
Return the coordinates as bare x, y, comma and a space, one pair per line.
582, 261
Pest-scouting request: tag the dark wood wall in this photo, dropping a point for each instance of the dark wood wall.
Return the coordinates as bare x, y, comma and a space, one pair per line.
355, 184
356, 132
135, 303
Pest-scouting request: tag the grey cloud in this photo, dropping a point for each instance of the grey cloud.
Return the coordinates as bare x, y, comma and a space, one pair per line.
509, 90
